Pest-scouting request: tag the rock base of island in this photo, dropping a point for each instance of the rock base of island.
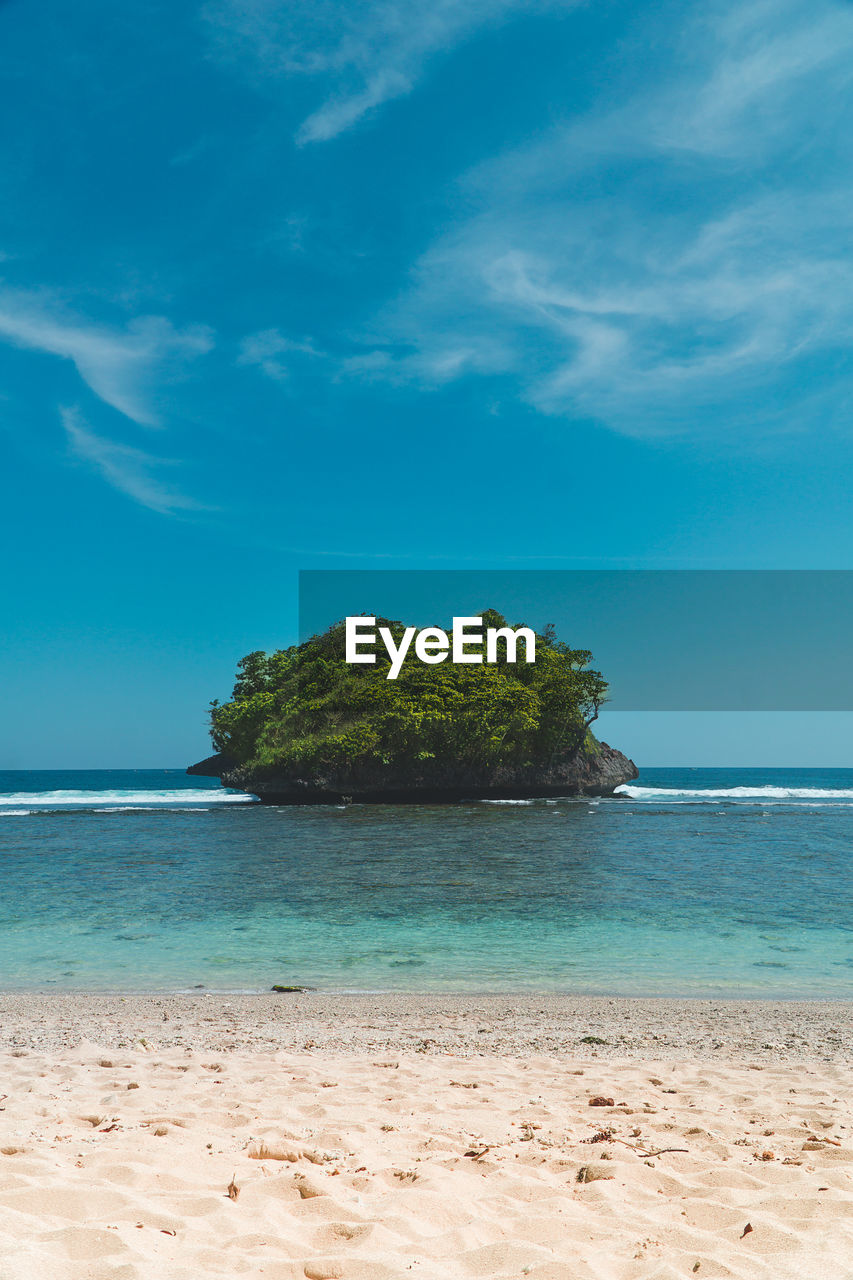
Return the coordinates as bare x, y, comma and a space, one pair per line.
596, 773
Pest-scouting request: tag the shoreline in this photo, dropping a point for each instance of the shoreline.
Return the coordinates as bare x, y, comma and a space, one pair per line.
606, 1028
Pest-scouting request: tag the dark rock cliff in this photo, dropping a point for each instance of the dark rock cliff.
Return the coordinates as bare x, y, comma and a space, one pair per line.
587, 773
212, 766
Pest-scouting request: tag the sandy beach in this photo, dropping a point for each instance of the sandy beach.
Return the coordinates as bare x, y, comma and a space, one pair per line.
386, 1136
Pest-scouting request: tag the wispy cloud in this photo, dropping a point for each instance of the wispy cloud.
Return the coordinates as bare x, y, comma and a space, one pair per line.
432, 362
770, 65
367, 53
119, 365
674, 262
131, 471
267, 350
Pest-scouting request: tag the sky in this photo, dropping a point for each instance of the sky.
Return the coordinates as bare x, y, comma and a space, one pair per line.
374, 284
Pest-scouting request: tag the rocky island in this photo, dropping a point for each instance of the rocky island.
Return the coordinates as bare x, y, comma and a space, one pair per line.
306, 727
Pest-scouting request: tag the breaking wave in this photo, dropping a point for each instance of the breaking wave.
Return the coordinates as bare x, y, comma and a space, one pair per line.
18, 803
710, 795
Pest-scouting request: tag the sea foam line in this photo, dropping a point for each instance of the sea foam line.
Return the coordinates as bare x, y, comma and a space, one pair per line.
736, 793
95, 799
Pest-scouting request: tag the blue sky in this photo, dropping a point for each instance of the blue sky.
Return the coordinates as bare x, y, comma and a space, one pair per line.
481, 283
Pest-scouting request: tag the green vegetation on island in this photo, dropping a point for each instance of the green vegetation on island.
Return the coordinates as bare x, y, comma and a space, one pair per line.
305, 712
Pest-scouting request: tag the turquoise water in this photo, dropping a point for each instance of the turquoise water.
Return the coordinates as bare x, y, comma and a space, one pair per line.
703, 882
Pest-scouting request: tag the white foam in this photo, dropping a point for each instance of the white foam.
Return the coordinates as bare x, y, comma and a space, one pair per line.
736, 793
123, 799
146, 808
506, 802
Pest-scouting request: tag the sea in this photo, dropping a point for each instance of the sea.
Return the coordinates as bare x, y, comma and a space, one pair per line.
690, 882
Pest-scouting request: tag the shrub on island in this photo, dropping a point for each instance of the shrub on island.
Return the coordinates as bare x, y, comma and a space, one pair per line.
304, 724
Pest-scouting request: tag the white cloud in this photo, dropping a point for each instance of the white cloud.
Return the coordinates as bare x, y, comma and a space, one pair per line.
765, 62
432, 363
119, 365
265, 349
129, 470
370, 51
677, 260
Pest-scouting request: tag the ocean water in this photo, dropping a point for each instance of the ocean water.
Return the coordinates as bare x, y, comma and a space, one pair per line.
695, 882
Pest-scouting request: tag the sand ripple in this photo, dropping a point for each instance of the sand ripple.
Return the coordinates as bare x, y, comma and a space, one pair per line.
426, 1165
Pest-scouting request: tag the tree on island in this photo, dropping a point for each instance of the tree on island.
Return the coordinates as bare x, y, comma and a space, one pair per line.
305, 711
